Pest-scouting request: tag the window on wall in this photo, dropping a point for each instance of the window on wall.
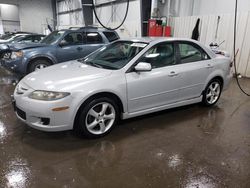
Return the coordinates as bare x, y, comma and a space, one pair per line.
191, 53
93, 38
160, 56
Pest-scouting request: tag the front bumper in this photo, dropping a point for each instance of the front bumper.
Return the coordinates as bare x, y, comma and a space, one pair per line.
39, 114
14, 65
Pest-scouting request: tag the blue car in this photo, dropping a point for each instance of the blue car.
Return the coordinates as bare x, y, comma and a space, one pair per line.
57, 47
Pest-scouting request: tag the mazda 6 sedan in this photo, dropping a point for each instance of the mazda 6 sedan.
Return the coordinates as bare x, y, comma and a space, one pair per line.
124, 79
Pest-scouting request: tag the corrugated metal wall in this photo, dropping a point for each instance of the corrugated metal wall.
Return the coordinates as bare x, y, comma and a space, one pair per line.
131, 26
32, 13
69, 13
183, 27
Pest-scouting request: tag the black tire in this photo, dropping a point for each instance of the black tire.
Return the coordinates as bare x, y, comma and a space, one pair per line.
34, 64
81, 126
217, 94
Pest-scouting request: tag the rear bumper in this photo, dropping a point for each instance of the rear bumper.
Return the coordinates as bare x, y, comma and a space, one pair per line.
227, 81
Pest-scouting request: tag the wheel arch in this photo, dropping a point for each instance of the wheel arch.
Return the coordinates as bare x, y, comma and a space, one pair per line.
49, 59
219, 77
110, 95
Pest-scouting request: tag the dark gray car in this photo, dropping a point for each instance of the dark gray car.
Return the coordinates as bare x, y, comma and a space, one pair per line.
57, 47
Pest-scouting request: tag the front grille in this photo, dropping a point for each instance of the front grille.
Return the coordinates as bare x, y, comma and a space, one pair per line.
6, 55
21, 113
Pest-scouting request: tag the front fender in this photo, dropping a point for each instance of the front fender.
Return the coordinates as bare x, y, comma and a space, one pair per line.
90, 94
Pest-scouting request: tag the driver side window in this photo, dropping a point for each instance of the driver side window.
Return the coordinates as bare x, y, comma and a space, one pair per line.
160, 55
73, 39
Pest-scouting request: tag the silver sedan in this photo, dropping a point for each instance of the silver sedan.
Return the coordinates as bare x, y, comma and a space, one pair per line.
124, 79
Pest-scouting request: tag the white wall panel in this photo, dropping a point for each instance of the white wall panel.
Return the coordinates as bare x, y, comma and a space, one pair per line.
32, 13
183, 27
9, 12
132, 25
73, 17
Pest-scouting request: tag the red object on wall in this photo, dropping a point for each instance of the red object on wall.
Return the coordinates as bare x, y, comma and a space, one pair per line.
167, 32
154, 29
158, 31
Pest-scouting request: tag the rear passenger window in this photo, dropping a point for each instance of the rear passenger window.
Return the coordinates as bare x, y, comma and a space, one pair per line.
93, 38
160, 56
111, 36
190, 53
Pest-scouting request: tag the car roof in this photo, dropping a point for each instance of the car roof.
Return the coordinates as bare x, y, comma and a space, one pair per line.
86, 28
34, 34
156, 40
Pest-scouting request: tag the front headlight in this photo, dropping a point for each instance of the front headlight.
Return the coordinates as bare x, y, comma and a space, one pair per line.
16, 54
48, 95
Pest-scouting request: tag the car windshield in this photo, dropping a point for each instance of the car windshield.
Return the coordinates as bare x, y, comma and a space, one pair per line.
18, 38
53, 37
7, 36
114, 56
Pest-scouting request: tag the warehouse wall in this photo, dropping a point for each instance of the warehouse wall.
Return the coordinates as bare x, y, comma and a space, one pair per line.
132, 25
10, 18
205, 7
70, 13
208, 12
32, 13
183, 27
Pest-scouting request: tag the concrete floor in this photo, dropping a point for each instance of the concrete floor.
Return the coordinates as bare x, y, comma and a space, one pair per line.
191, 146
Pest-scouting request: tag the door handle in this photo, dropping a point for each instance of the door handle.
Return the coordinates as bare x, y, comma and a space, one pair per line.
209, 66
79, 48
172, 74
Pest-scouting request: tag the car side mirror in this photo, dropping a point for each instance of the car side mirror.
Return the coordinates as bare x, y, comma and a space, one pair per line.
143, 67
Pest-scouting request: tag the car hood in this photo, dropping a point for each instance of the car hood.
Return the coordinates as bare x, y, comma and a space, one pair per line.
3, 41
64, 76
22, 46
4, 47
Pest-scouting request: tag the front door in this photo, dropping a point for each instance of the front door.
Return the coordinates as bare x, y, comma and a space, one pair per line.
158, 87
71, 47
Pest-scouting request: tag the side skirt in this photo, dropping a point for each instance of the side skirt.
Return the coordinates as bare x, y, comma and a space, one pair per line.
160, 108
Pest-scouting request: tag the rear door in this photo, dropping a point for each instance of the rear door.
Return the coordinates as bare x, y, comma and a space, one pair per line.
93, 41
196, 67
71, 47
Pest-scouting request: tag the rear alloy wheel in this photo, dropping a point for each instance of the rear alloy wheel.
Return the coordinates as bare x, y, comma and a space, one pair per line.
38, 64
212, 92
98, 118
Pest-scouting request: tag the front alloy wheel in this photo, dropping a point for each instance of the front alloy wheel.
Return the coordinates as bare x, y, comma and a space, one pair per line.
97, 117
40, 66
100, 118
